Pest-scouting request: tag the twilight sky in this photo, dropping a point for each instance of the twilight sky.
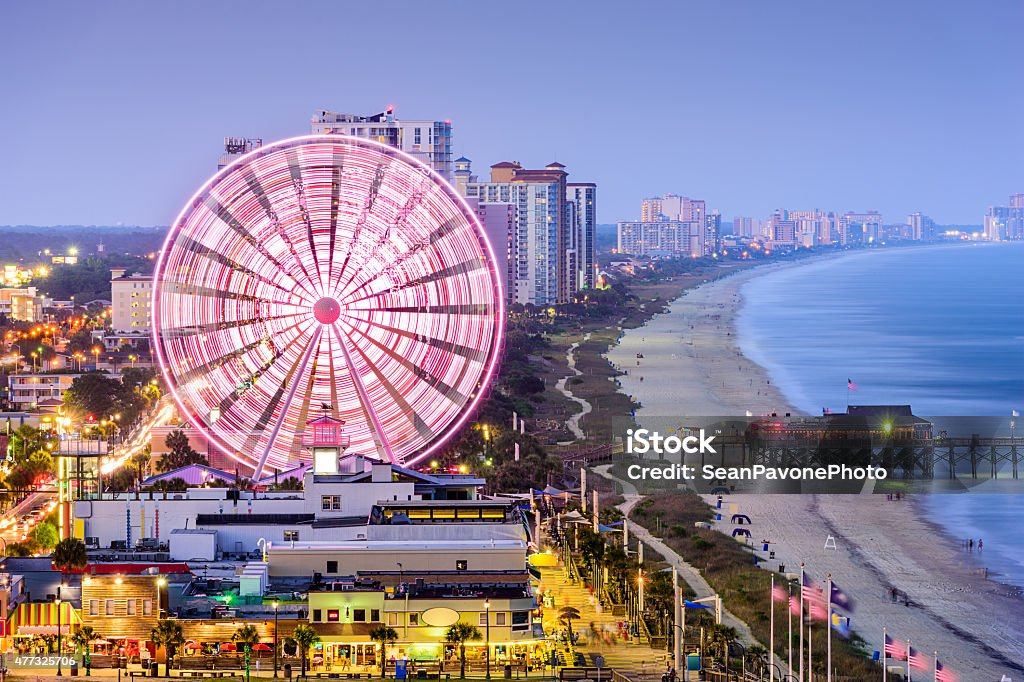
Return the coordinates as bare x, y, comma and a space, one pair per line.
115, 112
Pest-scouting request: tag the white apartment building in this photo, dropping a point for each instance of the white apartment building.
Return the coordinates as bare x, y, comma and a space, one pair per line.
131, 296
431, 141
27, 391
583, 197
661, 238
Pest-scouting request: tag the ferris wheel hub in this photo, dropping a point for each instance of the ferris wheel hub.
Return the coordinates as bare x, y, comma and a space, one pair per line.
326, 310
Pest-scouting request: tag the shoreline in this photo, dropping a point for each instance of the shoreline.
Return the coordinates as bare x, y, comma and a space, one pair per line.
698, 369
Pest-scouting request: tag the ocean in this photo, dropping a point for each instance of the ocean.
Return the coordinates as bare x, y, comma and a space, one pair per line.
940, 328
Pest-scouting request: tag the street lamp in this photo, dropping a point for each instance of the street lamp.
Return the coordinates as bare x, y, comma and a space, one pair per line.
160, 583
487, 636
59, 673
275, 604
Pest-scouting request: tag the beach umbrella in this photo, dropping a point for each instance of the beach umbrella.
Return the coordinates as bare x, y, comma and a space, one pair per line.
261, 647
228, 646
193, 646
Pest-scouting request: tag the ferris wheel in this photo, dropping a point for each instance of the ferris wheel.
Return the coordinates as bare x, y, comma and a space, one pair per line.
326, 273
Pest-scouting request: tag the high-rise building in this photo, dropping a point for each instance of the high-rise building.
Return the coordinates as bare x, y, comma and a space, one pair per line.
131, 296
1006, 222
921, 227
431, 141
661, 238
745, 227
673, 208
235, 147
713, 231
552, 240
583, 197
860, 228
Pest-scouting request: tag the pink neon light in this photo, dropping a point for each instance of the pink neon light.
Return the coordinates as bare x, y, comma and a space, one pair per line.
255, 313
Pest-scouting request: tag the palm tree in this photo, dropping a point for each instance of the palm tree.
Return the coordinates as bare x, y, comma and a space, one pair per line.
83, 635
168, 634
566, 615
460, 633
69, 554
305, 637
248, 636
383, 635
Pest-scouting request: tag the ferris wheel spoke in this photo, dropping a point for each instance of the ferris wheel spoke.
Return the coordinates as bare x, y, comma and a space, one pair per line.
336, 171
421, 373
442, 309
357, 233
212, 364
290, 380
199, 291
437, 234
452, 271
226, 217
295, 170
174, 333
379, 437
407, 410
474, 354
200, 249
256, 187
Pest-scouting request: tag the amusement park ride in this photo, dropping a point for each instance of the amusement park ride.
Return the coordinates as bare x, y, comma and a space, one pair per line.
327, 270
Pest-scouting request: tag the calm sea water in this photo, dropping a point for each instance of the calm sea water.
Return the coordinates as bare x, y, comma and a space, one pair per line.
939, 328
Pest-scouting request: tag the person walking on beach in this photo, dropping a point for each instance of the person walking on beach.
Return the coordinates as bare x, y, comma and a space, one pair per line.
979, 544
970, 545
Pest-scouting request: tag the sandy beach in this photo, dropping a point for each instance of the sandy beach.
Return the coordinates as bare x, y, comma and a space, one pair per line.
692, 366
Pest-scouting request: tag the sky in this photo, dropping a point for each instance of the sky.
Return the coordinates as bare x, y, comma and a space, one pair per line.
115, 113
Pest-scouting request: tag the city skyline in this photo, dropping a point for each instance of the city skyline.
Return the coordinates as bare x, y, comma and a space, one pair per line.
863, 119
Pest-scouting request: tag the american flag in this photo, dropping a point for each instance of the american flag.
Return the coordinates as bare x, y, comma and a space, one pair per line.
779, 593
941, 674
895, 649
916, 659
794, 605
811, 591
850, 385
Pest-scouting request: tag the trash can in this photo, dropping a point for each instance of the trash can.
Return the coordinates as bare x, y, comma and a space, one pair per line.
421, 674
154, 668
508, 672
74, 668
287, 670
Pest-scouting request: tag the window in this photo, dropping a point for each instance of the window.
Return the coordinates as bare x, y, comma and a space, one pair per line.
94, 607
461, 564
499, 618
109, 607
483, 618
359, 615
316, 615
131, 607
147, 607
375, 615
291, 535
393, 619
520, 620
333, 616
414, 619
332, 566
330, 502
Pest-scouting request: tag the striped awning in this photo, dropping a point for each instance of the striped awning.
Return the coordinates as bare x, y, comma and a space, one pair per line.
40, 618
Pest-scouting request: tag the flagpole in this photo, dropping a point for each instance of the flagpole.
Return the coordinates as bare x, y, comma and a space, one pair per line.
908, 661
828, 626
679, 613
936, 665
771, 626
885, 639
801, 678
810, 651
789, 629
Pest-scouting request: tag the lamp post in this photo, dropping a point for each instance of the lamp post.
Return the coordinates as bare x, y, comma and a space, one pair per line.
160, 583
59, 673
275, 637
487, 636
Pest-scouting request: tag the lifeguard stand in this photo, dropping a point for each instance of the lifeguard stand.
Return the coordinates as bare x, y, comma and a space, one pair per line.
325, 439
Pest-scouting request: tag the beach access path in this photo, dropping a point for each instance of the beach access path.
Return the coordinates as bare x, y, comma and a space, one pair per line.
573, 422
687, 573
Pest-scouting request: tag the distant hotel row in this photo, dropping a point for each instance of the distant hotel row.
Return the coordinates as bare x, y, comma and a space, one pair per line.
674, 225
541, 226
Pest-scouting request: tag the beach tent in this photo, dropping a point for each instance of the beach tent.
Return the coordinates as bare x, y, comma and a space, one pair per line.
740, 519
555, 492
573, 515
740, 532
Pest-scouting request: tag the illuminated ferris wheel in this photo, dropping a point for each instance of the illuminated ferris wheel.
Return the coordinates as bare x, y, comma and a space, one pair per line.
326, 271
